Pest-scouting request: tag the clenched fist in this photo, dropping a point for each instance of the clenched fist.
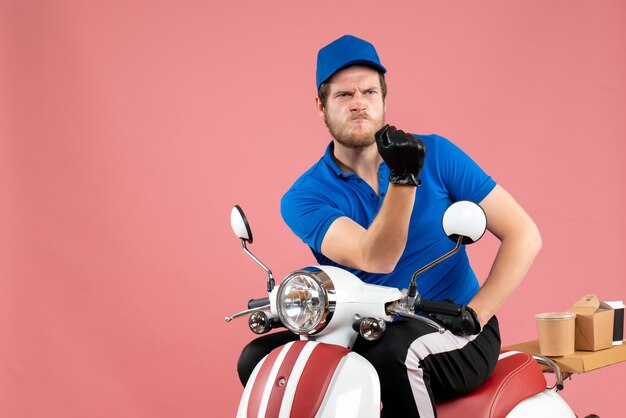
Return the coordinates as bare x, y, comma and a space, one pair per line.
403, 153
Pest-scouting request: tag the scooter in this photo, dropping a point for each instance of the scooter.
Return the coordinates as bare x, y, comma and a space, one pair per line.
319, 376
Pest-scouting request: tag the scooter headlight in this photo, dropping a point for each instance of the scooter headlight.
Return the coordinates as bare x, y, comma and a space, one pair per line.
304, 301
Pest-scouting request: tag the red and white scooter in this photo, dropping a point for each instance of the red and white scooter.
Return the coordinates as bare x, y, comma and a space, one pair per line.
319, 376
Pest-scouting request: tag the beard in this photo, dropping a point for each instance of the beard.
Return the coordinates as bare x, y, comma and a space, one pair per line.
356, 137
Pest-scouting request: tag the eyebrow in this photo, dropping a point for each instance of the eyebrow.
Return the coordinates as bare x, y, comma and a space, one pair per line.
377, 88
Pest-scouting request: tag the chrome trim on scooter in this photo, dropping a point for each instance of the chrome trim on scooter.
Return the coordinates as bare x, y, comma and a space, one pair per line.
328, 288
558, 385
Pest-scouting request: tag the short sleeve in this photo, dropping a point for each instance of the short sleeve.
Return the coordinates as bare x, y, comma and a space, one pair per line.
309, 215
463, 178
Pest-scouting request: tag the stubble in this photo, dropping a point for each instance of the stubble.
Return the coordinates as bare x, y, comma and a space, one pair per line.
353, 138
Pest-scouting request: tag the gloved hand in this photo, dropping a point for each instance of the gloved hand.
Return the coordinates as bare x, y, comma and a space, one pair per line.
466, 323
403, 153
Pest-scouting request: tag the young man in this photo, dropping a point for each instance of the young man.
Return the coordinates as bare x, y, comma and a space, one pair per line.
373, 205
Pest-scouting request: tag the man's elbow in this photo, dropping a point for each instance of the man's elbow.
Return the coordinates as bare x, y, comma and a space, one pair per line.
383, 269
381, 266
533, 238
539, 242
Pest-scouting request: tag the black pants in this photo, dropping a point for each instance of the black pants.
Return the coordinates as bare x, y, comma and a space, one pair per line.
416, 365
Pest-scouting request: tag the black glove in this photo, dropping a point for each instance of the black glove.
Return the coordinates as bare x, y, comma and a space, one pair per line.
403, 153
464, 323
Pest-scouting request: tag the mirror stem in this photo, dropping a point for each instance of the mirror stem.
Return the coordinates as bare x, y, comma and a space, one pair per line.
270, 277
413, 285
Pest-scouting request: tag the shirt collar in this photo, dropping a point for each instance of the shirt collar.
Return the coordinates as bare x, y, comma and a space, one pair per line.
331, 163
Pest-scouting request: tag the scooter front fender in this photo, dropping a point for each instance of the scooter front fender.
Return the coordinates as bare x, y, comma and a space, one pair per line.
308, 379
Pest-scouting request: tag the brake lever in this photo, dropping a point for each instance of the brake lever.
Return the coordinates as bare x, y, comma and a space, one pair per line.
403, 311
247, 311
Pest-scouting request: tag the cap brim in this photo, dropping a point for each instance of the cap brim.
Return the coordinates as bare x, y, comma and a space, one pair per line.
366, 63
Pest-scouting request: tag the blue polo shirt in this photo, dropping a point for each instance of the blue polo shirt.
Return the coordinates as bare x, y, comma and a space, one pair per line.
324, 193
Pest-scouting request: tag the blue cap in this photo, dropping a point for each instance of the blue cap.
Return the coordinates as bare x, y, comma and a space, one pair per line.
343, 52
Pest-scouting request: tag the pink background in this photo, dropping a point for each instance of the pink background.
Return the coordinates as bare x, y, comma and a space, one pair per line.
129, 128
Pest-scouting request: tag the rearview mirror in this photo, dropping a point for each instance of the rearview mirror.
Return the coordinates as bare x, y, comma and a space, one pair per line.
464, 219
239, 224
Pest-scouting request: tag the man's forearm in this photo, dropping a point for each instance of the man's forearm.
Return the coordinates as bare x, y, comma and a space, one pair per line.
513, 260
384, 241
377, 247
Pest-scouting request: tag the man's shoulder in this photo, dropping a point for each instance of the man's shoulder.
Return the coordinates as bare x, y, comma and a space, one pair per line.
431, 138
317, 173
308, 204
438, 146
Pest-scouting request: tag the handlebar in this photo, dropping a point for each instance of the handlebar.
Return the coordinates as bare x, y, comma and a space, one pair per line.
257, 303
443, 308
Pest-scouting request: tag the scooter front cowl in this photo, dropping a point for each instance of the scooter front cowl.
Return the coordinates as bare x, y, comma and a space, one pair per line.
307, 379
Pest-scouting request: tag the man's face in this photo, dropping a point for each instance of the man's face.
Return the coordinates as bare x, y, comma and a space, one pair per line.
355, 108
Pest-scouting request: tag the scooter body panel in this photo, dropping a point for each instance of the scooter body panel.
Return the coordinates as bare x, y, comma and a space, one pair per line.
352, 297
308, 379
242, 411
547, 404
354, 391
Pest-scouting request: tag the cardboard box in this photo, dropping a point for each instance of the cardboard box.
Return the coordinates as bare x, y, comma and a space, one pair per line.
579, 361
594, 324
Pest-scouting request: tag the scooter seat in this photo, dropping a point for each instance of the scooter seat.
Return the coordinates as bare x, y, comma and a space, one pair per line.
516, 377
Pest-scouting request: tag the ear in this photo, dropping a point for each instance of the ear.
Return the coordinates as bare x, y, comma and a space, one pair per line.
320, 107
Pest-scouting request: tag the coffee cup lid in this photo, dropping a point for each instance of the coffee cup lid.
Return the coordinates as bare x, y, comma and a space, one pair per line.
555, 316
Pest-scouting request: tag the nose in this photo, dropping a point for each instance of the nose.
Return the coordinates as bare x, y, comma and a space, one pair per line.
358, 103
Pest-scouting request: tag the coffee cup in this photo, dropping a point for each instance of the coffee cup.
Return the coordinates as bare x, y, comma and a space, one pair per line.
618, 322
556, 331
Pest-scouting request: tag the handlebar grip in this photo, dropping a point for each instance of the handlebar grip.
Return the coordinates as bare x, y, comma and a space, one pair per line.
442, 308
257, 303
